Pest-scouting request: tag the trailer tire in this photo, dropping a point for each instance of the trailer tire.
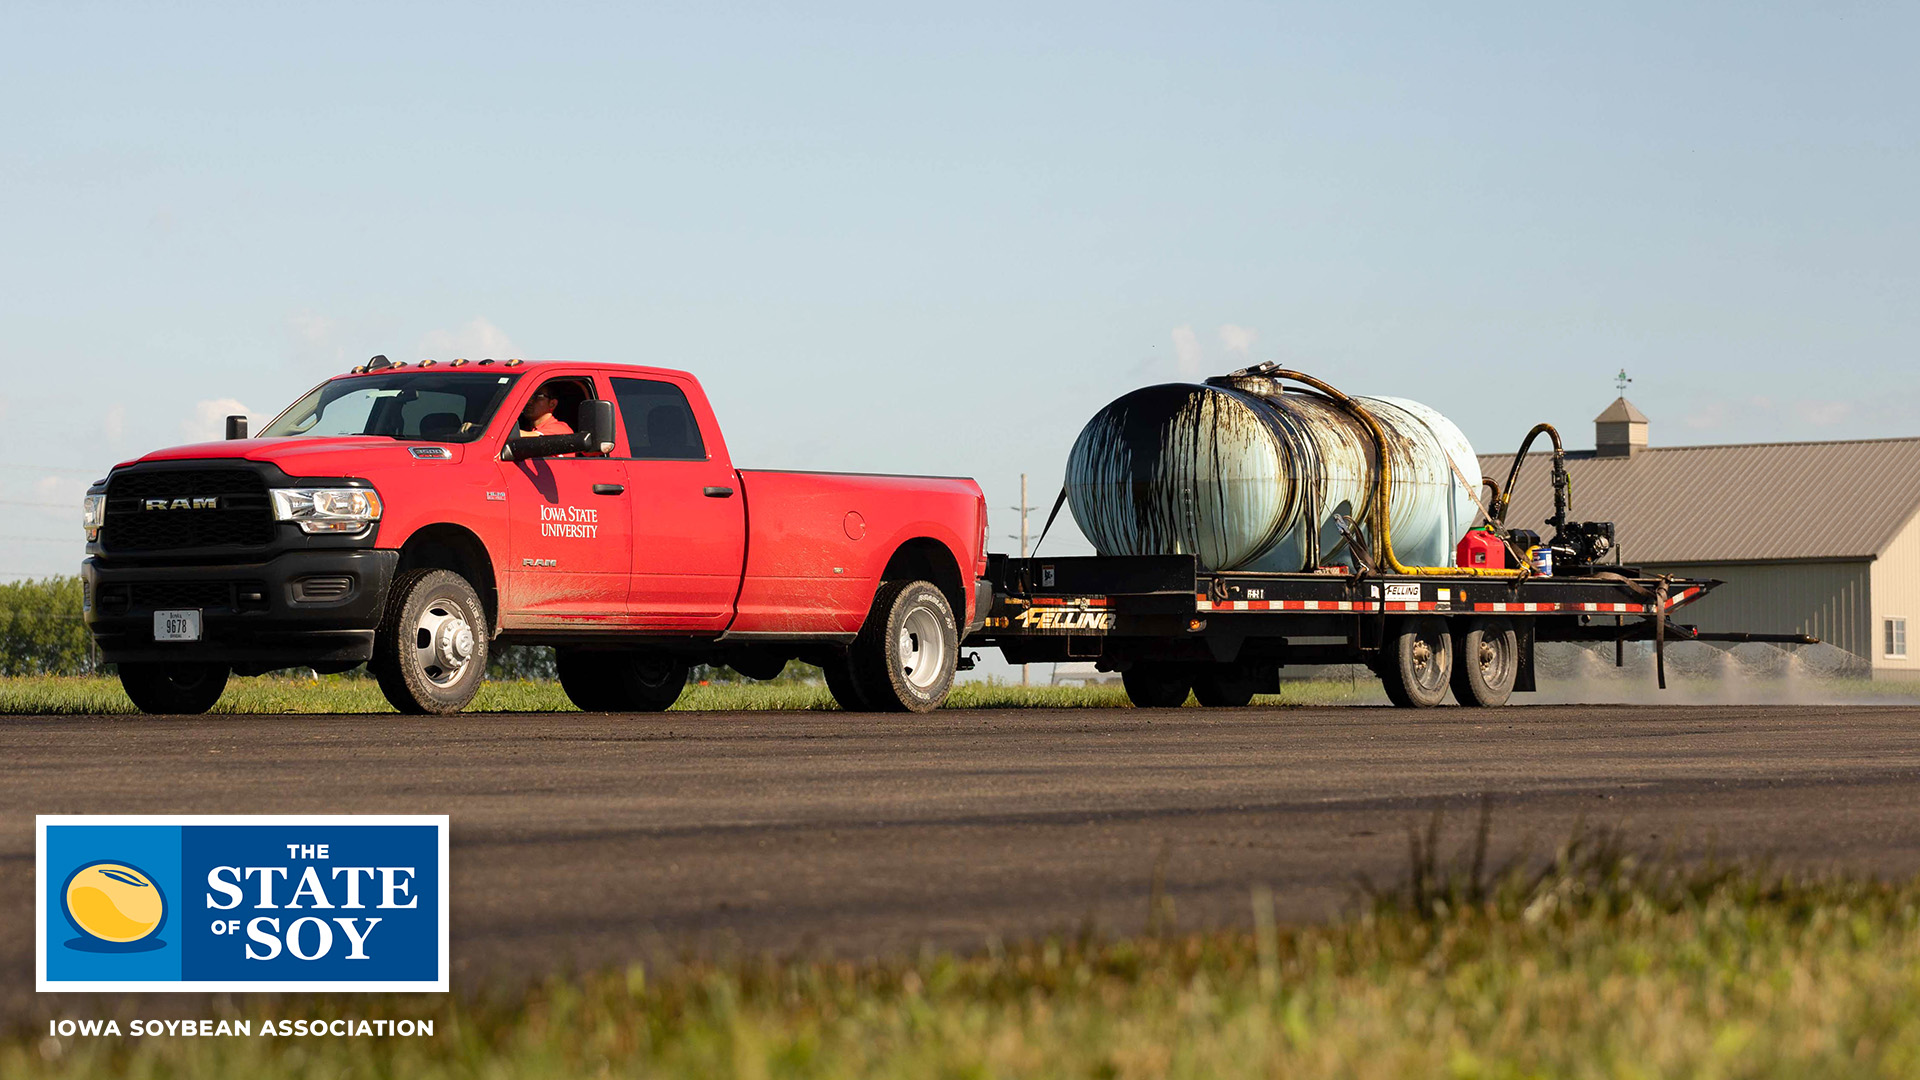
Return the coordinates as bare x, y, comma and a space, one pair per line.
843, 687
906, 654
430, 653
1226, 686
181, 689
1485, 663
1154, 685
618, 682
1418, 663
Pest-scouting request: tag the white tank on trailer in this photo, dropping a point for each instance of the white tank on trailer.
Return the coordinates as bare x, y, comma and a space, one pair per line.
1247, 476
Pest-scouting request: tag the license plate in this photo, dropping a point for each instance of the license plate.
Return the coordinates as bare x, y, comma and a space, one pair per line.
176, 625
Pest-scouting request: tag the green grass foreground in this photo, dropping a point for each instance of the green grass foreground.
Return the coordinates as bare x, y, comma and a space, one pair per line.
1599, 966
71, 694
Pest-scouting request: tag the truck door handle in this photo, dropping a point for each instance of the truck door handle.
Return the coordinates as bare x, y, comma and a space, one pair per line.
609, 489
718, 492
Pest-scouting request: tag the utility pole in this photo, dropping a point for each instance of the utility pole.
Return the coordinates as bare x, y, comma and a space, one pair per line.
1023, 508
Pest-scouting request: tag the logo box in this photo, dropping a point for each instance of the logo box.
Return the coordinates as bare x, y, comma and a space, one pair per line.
242, 903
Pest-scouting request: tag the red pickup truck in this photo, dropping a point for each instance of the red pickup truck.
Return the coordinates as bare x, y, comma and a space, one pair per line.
412, 518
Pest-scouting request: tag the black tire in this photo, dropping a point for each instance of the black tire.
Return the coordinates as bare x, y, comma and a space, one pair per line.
1152, 685
1486, 661
174, 688
587, 678
1418, 663
908, 650
843, 687
651, 681
618, 682
1226, 686
430, 654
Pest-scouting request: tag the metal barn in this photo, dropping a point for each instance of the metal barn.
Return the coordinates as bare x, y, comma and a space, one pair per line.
1811, 538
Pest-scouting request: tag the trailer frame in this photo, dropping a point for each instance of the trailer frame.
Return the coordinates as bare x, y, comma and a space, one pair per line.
1125, 611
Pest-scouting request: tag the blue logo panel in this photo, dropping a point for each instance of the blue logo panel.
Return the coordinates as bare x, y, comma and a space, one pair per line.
243, 903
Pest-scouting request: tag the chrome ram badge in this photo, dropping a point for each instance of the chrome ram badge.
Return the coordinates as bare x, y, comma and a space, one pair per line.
203, 502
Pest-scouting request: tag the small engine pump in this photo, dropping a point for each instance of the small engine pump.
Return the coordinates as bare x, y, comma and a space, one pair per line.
1582, 545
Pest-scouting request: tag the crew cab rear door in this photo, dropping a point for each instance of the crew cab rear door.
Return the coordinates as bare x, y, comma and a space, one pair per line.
689, 514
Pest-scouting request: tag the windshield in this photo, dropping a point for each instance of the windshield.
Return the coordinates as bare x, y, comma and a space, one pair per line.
450, 406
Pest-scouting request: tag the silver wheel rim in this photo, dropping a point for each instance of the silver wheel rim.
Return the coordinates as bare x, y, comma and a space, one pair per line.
1429, 663
922, 647
1494, 661
443, 641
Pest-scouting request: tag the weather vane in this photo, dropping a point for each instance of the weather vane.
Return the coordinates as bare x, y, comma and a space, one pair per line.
1621, 380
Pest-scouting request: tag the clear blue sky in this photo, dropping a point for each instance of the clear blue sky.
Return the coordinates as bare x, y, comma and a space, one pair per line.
939, 239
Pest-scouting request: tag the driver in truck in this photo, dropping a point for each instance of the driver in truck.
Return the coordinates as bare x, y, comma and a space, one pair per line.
538, 418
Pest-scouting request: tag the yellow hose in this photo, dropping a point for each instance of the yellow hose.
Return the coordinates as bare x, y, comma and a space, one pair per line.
1384, 489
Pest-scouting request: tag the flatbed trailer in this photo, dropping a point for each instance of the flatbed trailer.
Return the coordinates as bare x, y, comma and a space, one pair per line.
1170, 628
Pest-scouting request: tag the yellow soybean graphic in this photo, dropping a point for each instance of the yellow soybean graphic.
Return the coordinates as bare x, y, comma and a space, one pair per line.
114, 903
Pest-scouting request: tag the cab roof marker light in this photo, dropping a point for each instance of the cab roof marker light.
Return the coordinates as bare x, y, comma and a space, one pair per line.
515, 363
484, 363
457, 363
358, 369
426, 363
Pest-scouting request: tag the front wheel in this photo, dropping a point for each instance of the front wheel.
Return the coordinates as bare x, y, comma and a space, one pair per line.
174, 688
1418, 663
906, 655
430, 654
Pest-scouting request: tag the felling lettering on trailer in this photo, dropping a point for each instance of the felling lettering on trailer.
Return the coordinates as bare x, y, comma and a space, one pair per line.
1082, 614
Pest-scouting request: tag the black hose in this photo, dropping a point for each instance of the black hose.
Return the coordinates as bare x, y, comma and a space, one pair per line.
1562, 483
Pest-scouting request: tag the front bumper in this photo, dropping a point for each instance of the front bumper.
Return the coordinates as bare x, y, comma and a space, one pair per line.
254, 615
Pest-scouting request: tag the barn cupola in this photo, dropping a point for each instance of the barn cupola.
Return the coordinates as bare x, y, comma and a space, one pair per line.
1620, 431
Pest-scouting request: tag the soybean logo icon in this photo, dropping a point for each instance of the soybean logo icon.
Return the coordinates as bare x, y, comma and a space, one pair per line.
116, 907
242, 903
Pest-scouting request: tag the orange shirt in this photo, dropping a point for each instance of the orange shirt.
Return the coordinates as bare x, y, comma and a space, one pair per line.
553, 425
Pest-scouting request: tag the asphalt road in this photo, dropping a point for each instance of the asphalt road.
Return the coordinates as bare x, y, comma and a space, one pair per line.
593, 839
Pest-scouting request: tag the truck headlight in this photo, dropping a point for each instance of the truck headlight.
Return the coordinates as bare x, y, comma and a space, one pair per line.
93, 514
327, 510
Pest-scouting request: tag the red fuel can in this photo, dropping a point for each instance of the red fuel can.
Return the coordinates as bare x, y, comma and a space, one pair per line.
1481, 550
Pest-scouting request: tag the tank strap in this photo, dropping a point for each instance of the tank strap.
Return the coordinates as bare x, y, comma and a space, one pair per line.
1051, 514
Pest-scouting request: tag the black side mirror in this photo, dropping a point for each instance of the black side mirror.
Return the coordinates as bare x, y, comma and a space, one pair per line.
236, 427
596, 422
595, 435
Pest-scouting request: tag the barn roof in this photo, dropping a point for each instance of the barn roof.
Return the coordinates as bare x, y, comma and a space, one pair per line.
1751, 502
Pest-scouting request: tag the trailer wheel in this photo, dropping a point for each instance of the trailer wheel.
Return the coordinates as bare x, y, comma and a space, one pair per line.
1226, 686
1418, 663
430, 654
843, 687
174, 688
1157, 685
620, 681
907, 653
1487, 660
